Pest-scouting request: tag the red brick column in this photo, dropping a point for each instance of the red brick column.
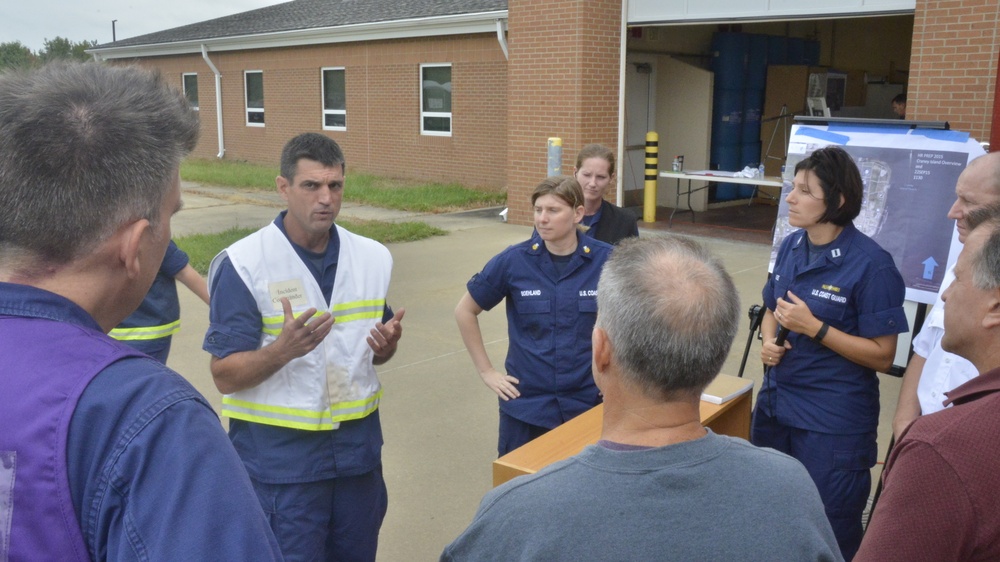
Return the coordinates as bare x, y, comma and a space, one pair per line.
562, 82
953, 66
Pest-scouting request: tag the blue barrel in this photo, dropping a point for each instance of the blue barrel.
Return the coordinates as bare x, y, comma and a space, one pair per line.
812, 52
796, 50
727, 117
777, 49
757, 62
727, 158
749, 156
753, 106
729, 53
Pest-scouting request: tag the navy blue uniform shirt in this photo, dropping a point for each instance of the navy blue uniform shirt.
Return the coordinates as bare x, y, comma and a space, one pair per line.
550, 318
856, 288
151, 473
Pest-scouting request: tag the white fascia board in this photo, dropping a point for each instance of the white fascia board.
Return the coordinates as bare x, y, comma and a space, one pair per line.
484, 22
646, 12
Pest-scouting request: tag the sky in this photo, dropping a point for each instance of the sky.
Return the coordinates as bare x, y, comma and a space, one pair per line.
33, 21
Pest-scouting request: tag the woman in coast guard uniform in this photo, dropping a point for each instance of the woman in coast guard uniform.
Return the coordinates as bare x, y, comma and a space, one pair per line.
841, 297
550, 285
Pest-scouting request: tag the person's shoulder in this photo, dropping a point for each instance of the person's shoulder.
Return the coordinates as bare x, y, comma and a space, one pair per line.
869, 247
140, 380
961, 422
598, 247
537, 487
617, 212
763, 465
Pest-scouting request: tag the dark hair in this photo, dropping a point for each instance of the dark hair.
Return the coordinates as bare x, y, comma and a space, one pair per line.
596, 151
900, 98
84, 149
312, 146
838, 175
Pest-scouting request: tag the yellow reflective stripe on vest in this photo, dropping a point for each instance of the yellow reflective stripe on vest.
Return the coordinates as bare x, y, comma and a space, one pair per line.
296, 418
358, 310
343, 312
147, 333
274, 324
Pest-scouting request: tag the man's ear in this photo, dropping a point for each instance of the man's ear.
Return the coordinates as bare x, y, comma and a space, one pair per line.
130, 245
282, 184
992, 318
601, 350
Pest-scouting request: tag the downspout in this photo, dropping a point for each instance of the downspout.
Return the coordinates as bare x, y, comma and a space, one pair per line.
623, 34
502, 38
218, 99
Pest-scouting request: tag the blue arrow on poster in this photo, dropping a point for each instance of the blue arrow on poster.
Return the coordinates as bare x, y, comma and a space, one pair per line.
929, 265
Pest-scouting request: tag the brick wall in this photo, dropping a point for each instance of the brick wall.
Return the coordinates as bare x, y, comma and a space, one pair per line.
563, 79
953, 66
383, 97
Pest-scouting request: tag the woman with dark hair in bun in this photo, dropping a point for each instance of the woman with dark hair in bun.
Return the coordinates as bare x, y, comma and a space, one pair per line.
839, 296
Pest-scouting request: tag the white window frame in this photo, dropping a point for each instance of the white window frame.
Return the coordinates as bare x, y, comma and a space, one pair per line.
184, 76
424, 114
246, 100
322, 86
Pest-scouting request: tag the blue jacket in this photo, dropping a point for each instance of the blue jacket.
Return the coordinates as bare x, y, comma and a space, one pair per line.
147, 465
550, 318
856, 288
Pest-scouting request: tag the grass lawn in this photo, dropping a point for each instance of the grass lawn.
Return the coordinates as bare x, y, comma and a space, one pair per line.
361, 188
201, 248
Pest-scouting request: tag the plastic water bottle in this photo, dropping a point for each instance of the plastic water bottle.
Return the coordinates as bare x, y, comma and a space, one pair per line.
761, 170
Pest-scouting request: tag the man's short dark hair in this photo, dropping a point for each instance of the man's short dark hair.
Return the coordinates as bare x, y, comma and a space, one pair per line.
312, 146
84, 149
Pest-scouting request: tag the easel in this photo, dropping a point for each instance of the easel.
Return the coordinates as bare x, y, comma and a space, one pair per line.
783, 114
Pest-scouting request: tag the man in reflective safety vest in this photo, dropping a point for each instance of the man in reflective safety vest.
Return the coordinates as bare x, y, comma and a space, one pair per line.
298, 320
151, 327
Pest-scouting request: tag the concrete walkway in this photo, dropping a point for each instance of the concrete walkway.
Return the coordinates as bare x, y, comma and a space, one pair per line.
439, 420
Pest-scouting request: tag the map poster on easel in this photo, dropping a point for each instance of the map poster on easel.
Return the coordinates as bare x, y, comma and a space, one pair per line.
909, 176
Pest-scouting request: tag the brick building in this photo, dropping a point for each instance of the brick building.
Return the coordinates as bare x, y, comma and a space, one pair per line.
426, 89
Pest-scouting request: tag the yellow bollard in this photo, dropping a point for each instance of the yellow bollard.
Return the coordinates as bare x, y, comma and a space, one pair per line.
652, 159
555, 156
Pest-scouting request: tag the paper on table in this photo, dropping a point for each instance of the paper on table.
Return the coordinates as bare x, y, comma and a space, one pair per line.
724, 388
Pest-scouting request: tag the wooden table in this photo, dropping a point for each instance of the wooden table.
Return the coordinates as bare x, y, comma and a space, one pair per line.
731, 418
708, 179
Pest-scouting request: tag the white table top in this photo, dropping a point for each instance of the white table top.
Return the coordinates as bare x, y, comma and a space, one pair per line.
773, 181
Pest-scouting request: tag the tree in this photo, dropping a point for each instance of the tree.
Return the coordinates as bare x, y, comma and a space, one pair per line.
61, 48
15, 55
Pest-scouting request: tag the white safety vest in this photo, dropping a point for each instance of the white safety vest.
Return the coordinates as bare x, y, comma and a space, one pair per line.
336, 381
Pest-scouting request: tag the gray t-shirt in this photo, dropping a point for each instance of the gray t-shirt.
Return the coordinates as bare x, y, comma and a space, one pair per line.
714, 498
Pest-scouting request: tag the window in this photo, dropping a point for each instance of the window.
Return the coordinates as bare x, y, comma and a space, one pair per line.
334, 99
190, 82
435, 99
254, 82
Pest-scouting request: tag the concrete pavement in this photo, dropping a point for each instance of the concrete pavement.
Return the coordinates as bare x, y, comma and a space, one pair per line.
439, 420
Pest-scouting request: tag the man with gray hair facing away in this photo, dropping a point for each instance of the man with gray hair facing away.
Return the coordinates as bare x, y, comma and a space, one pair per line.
658, 485
105, 453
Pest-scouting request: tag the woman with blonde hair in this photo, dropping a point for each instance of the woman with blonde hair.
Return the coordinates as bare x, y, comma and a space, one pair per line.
595, 170
550, 285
